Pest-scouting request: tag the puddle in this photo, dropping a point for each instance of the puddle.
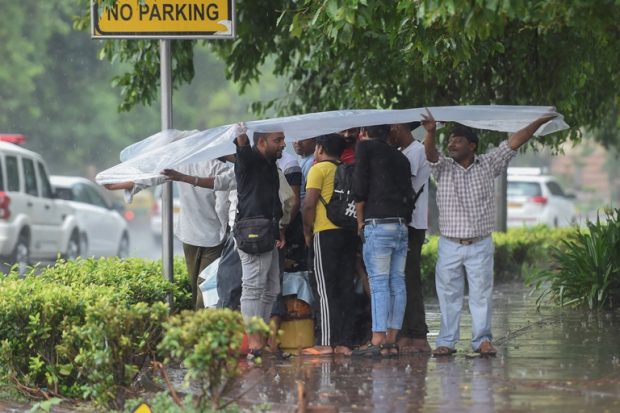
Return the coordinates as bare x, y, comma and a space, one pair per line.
552, 361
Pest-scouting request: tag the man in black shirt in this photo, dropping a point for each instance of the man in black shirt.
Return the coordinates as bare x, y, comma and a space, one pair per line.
257, 192
383, 194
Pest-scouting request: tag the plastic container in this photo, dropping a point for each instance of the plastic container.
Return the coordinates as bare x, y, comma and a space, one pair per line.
297, 334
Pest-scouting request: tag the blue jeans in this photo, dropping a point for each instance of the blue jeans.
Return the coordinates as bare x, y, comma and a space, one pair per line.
385, 253
454, 262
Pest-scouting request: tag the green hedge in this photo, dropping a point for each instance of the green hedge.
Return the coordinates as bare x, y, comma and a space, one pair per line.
84, 328
515, 251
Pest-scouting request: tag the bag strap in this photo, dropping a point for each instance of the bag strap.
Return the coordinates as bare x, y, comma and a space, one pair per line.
337, 163
417, 195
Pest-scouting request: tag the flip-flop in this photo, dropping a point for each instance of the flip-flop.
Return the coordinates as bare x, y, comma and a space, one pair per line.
443, 351
313, 352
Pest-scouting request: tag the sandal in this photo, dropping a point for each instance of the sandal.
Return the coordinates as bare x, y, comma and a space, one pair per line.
254, 355
443, 351
367, 350
389, 350
486, 349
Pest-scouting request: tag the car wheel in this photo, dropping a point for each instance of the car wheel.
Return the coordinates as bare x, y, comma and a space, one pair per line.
84, 245
123, 246
73, 248
21, 253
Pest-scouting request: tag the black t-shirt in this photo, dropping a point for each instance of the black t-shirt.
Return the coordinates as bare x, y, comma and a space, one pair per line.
382, 179
257, 185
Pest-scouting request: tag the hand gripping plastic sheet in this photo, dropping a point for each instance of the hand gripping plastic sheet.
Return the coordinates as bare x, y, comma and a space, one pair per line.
172, 148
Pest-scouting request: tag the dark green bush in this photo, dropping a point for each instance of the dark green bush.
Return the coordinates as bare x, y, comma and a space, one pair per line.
34, 316
110, 347
83, 328
585, 267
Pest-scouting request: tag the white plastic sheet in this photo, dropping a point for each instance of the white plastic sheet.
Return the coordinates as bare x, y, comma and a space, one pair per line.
171, 149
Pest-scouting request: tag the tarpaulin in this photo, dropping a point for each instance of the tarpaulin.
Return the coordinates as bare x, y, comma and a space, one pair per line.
171, 149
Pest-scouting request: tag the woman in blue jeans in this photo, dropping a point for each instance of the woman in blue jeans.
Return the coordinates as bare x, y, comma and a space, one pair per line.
383, 198
385, 253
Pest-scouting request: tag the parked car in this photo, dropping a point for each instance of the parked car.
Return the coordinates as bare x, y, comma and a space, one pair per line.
534, 198
103, 229
34, 225
156, 225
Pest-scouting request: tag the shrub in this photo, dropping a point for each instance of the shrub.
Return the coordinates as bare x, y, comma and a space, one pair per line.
83, 328
33, 319
135, 279
111, 346
208, 344
585, 267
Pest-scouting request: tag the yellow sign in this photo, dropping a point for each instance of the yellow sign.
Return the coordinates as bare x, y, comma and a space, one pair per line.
163, 19
142, 408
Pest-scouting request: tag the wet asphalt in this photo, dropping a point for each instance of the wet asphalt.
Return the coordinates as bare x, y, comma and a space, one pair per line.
548, 361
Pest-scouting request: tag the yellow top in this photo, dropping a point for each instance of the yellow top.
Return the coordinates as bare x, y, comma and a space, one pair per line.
321, 176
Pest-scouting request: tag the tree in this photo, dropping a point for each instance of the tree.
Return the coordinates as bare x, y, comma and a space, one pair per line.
371, 53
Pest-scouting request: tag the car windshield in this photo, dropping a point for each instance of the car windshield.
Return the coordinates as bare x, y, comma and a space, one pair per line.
520, 188
64, 193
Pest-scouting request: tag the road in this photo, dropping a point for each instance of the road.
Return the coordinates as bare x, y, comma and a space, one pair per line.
142, 242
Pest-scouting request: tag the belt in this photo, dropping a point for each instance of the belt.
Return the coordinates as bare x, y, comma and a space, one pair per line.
466, 241
376, 221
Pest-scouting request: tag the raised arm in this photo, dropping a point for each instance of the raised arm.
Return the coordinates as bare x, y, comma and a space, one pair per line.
430, 146
520, 137
119, 185
204, 182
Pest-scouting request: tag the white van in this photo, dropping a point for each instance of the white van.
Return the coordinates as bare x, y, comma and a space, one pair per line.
34, 225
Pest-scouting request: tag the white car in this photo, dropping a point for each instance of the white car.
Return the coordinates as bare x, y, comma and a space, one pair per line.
156, 225
534, 198
34, 225
103, 230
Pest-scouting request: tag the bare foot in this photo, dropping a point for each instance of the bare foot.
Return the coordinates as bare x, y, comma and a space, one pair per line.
421, 345
344, 350
317, 351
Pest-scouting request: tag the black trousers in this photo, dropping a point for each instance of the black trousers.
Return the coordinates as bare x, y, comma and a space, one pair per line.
334, 263
414, 324
229, 276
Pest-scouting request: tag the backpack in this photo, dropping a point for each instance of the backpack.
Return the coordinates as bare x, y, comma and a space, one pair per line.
341, 207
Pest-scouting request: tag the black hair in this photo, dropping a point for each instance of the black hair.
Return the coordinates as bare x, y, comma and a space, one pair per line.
332, 143
466, 132
257, 136
413, 125
379, 132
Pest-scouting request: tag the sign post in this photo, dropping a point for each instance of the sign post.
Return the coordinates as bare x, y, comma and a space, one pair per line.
164, 20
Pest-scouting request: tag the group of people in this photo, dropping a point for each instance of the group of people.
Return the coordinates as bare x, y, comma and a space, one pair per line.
279, 212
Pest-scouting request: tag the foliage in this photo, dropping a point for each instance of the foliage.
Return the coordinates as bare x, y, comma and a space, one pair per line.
84, 328
33, 318
586, 269
208, 344
135, 279
516, 251
365, 53
110, 347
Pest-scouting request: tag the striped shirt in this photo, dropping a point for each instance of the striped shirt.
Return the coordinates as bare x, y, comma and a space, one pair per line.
466, 197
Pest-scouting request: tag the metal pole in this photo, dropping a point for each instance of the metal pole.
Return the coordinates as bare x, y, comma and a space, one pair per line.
166, 123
